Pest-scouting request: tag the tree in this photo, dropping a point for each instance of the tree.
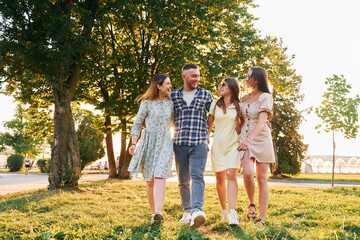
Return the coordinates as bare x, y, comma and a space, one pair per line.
20, 138
153, 37
42, 47
89, 137
289, 147
338, 112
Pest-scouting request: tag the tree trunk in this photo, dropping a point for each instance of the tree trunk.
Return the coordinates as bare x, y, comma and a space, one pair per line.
125, 157
333, 167
65, 164
110, 148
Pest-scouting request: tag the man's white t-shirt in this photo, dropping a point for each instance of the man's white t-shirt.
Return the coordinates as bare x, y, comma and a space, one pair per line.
188, 96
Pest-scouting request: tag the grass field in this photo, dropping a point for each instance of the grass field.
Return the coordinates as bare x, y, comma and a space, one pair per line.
327, 177
118, 209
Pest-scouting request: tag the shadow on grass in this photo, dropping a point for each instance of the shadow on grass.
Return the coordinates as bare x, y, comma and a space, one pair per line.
23, 200
353, 191
270, 232
186, 233
145, 231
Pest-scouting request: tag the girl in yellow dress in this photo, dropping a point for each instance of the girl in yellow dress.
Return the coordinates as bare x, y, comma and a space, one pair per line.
224, 155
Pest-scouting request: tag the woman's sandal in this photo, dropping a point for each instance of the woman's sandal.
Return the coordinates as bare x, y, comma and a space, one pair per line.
260, 222
251, 215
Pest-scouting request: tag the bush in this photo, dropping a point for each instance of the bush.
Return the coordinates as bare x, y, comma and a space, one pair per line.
15, 162
43, 165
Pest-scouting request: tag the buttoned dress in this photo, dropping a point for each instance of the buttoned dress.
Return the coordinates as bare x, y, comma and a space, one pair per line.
224, 153
154, 154
261, 148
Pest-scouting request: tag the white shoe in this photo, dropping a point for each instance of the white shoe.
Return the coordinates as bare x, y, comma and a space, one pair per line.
185, 218
224, 214
198, 219
233, 218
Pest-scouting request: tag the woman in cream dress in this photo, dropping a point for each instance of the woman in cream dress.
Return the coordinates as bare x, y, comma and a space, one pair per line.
224, 155
255, 140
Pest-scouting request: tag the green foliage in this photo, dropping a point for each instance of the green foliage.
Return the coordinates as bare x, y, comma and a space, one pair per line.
43, 164
89, 137
286, 118
15, 162
337, 111
20, 137
130, 42
42, 49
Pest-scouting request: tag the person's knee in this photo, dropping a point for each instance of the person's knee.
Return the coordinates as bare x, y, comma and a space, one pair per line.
261, 179
248, 175
220, 180
150, 183
232, 177
183, 184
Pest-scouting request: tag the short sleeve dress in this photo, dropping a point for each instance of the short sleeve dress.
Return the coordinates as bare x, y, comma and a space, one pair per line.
154, 155
224, 154
261, 148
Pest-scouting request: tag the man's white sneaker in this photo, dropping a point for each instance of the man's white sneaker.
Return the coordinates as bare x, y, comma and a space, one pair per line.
198, 218
233, 218
185, 218
224, 214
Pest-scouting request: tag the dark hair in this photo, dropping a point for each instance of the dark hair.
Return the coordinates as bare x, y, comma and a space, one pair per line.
189, 66
152, 91
260, 75
233, 85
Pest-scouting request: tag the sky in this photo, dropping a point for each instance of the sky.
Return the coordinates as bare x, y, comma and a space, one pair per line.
324, 36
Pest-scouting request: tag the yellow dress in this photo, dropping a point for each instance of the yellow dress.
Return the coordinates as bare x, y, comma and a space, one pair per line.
226, 140
261, 148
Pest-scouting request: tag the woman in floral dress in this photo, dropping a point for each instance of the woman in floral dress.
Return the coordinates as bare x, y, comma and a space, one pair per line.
153, 155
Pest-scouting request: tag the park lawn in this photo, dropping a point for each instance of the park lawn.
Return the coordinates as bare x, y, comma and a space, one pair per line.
21, 170
326, 177
118, 209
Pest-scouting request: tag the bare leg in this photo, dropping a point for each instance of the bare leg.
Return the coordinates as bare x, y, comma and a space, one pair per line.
249, 182
261, 170
150, 194
221, 188
232, 187
159, 193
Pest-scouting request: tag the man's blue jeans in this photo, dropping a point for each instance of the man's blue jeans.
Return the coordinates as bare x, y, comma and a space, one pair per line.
190, 164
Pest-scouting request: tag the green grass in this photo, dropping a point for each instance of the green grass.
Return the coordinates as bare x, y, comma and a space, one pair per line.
326, 177
21, 170
118, 209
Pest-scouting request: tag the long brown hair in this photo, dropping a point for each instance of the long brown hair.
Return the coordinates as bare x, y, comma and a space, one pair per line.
233, 85
153, 91
260, 75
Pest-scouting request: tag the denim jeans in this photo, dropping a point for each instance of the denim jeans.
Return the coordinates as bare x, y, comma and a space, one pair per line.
190, 164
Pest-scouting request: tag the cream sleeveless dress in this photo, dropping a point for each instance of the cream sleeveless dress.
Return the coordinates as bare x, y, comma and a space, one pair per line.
224, 154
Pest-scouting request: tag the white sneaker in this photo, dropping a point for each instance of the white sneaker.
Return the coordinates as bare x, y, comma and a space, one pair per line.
198, 219
185, 218
224, 214
233, 218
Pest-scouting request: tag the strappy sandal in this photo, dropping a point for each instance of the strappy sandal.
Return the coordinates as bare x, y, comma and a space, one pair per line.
251, 215
260, 222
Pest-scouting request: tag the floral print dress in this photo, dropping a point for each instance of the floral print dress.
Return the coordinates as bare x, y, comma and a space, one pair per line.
154, 154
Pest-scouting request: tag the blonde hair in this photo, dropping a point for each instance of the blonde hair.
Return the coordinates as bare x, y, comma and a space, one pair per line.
153, 91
